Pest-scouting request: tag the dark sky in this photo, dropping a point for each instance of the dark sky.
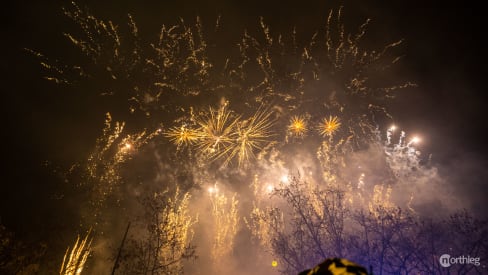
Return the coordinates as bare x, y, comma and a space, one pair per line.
444, 55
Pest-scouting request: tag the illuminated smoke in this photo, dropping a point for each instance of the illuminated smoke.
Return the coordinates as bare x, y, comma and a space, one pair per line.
273, 129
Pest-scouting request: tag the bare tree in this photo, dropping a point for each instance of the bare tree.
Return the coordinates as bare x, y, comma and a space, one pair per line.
382, 239
309, 224
163, 236
309, 230
17, 257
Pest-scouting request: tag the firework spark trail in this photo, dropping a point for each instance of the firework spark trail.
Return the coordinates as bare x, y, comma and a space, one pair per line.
178, 67
102, 170
112, 150
352, 96
402, 157
77, 257
151, 77
332, 157
226, 219
262, 222
176, 228
381, 199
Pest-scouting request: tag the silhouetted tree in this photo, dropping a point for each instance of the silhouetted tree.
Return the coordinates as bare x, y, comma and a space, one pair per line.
162, 237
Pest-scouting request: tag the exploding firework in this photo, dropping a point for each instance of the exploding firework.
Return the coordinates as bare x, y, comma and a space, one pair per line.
183, 135
222, 135
253, 134
217, 133
298, 126
329, 126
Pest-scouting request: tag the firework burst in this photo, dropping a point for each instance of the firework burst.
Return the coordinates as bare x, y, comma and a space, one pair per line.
182, 136
298, 126
217, 133
329, 126
253, 134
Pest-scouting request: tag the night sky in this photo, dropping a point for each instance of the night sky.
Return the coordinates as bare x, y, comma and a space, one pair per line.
444, 54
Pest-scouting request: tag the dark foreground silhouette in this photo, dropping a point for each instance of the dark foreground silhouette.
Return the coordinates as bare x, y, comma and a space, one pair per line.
335, 266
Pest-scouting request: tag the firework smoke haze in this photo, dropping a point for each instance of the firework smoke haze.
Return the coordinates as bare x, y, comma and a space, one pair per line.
209, 131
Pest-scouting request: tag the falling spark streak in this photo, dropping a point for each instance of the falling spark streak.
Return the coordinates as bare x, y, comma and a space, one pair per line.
226, 218
77, 257
361, 181
389, 133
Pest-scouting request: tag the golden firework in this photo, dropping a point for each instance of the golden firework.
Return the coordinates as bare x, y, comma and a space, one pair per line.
182, 135
298, 126
226, 219
74, 261
217, 133
329, 126
253, 134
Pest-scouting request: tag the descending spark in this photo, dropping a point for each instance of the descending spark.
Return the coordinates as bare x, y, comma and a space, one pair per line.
112, 150
402, 157
329, 126
176, 221
298, 126
361, 181
77, 257
389, 133
182, 135
381, 199
226, 218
